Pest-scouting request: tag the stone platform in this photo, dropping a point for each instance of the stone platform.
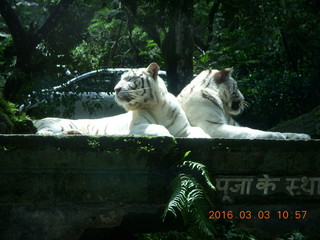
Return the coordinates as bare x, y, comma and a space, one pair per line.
56, 187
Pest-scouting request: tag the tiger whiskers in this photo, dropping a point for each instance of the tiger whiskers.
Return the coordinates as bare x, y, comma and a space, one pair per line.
245, 105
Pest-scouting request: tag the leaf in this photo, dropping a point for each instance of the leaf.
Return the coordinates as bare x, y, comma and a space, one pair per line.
201, 168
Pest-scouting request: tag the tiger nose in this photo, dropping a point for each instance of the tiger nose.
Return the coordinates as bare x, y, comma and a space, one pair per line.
235, 105
117, 90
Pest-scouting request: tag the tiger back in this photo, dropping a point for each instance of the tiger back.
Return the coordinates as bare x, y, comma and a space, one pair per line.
210, 101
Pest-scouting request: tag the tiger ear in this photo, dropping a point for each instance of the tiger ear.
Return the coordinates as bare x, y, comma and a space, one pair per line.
223, 75
153, 69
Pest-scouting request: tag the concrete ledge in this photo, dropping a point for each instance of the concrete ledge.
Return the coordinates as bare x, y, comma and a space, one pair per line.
78, 182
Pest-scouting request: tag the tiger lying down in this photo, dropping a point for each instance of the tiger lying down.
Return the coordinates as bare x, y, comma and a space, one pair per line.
210, 101
152, 110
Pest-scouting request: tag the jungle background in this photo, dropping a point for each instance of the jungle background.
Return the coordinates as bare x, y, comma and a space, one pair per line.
272, 45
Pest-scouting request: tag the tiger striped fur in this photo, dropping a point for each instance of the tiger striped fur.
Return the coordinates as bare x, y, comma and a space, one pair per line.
210, 101
155, 111
116, 125
152, 110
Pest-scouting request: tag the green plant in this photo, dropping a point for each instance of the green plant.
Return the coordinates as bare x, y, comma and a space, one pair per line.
94, 144
11, 120
190, 197
294, 235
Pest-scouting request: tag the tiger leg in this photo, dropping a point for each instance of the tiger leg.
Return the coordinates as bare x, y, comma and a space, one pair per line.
72, 131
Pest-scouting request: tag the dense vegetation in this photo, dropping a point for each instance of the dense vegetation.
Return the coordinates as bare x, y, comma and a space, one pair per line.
273, 45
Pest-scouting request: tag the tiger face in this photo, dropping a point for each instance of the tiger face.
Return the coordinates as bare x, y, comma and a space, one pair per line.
229, 93
140, 89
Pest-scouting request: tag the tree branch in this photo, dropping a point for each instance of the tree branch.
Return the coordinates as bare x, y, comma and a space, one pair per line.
52, 20
213, 10
131, 8
12, 21
204, 44
25, 42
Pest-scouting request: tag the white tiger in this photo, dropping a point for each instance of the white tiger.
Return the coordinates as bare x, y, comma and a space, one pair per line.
210, 101
152, 110
116, 125
155, 111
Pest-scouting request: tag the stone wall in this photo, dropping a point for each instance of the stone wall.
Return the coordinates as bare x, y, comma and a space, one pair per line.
56, 187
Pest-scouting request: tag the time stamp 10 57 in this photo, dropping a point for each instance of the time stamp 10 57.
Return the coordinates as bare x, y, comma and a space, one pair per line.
263, 214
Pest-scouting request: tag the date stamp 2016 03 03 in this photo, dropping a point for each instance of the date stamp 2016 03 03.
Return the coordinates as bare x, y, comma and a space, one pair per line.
261, 214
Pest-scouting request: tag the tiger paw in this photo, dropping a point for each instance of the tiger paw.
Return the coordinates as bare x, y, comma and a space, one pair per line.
297, 136
72, 131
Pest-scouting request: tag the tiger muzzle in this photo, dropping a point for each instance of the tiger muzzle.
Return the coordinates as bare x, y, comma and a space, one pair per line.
235, 105
122, 95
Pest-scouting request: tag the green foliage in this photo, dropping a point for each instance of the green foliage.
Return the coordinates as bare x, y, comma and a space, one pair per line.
96, 50
6, 59
11, 121
227, 231
277, 65
190, 198
111, 41
199, 167
294, 235
93, 144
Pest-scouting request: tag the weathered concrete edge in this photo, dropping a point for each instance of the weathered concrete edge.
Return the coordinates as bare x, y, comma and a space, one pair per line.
221, 156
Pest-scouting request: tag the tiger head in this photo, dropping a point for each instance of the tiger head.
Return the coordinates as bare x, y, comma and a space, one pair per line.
140, 89
229, 93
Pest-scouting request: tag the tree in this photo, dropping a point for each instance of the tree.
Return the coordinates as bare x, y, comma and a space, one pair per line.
275, 64
26, 41
170, 24
177, 47
170, 27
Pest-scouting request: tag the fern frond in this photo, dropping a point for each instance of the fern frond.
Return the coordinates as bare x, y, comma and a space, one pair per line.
202, 169
190, 198
200, 217
178, 198
186, 191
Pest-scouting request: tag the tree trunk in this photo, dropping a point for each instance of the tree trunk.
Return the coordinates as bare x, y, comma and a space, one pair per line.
177, 46
184, 50
168, 49
25, 43
178, 49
